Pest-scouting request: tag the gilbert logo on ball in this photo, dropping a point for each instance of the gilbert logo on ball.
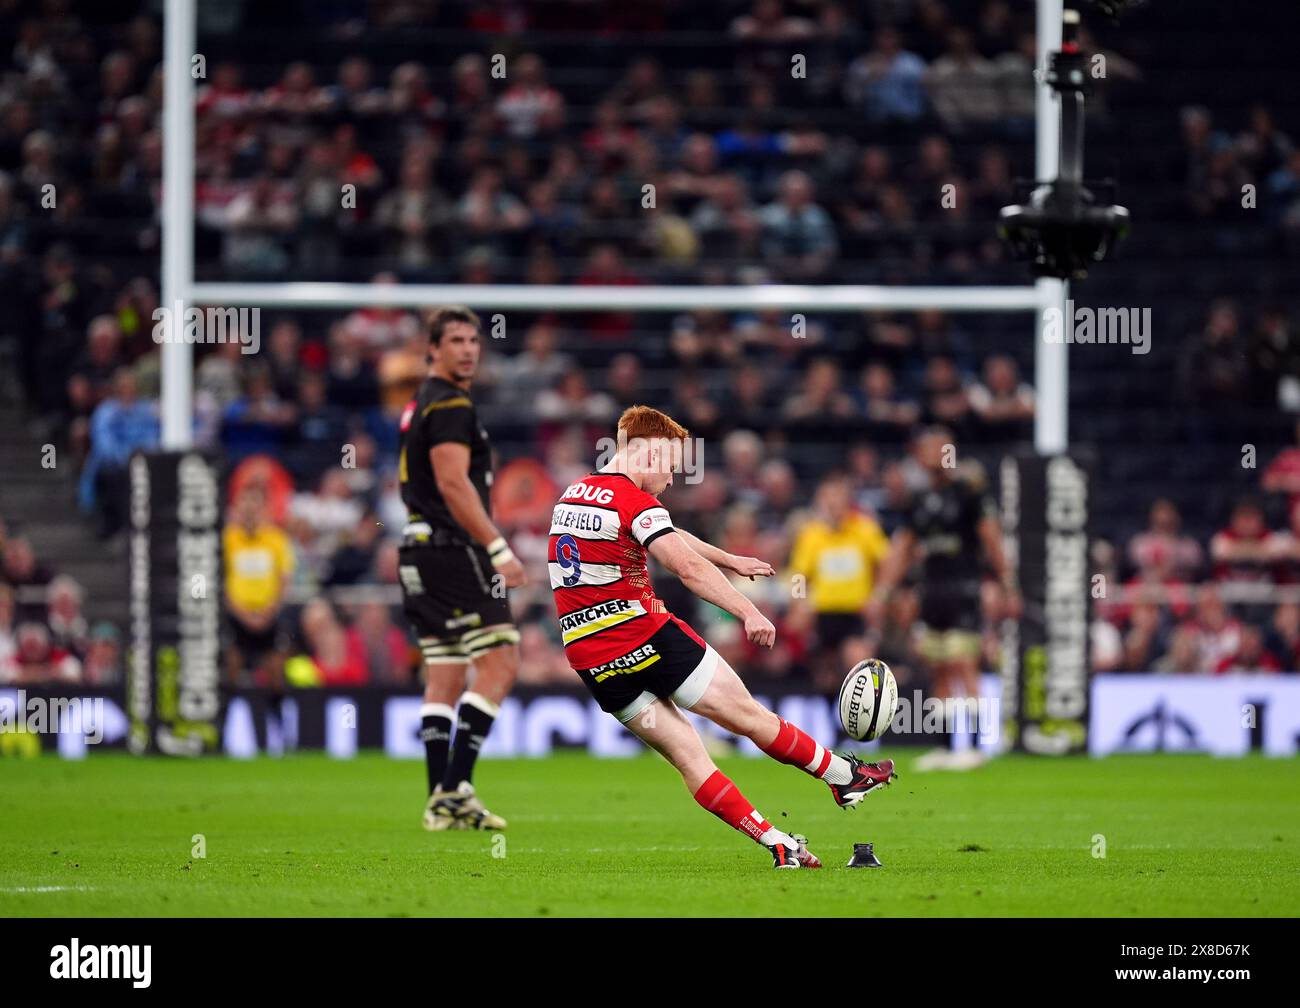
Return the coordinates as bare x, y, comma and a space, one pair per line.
868, 700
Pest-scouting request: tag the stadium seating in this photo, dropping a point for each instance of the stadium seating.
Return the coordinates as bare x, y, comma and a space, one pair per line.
1144, 420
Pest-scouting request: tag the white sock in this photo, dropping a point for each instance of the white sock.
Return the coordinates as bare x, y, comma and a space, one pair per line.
840, 771
959, 724
774, 835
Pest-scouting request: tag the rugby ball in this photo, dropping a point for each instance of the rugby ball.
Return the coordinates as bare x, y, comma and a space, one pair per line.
868, 700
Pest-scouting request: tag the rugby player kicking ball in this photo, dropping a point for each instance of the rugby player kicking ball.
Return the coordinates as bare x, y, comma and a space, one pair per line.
644, 665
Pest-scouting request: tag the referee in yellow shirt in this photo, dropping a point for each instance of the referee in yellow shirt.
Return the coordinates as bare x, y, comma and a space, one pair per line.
839, 553
258, 564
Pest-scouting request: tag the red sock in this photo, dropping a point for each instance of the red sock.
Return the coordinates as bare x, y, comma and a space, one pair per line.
721, 797
795, 747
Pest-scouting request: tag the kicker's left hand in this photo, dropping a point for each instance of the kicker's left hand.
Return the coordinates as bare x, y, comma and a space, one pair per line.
751, 567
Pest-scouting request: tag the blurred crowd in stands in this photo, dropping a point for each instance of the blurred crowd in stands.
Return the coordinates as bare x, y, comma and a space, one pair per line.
44, 636
717, 164
1229, 605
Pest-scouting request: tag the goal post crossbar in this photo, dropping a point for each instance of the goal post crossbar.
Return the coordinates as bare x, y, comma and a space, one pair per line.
525, 297
1050, 364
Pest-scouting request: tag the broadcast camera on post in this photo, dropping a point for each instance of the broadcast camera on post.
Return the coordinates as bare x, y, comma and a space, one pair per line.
1062, 227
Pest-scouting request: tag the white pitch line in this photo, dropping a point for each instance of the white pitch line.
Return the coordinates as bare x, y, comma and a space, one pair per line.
46, 888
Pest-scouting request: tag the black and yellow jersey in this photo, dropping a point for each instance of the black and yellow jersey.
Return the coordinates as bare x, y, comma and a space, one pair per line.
945, 520
440, 411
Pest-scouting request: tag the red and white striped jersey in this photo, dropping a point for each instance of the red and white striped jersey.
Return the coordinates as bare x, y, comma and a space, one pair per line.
603, 595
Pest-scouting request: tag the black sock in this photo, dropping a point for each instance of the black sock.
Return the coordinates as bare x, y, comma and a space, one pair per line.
435, 733
474, 721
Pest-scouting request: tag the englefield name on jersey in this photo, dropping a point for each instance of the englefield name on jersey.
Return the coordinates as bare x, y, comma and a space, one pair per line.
577, 520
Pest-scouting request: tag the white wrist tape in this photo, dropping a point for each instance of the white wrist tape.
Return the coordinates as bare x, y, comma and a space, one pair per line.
499, 552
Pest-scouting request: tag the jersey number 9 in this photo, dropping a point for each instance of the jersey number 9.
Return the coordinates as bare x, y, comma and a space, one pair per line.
569, 559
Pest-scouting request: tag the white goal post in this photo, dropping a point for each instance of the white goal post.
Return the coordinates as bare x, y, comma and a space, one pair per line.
178, 286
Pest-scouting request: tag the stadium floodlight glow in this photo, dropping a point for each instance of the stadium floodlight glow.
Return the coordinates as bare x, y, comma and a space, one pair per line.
178, 266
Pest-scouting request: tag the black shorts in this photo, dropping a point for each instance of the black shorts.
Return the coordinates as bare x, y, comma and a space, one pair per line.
954, 606
951, 614
254, 645
834, 628
673, 663
458, 609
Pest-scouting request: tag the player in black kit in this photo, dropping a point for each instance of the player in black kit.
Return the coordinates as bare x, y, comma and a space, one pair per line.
952, 523
455, 567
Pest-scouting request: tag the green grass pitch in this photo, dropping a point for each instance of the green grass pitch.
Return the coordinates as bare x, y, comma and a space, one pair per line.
306, 835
